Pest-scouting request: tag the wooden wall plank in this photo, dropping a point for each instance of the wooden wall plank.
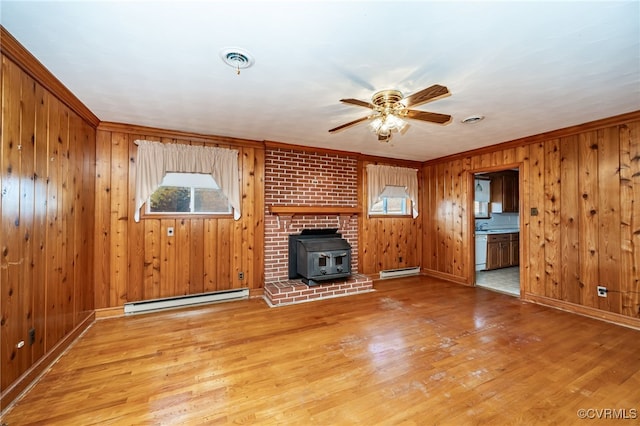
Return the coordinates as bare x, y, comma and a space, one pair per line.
522, 157
588, 187
256, 268
102, 234
88, 202
248, 222
183, 256
54, 208
27, 208
39, 236
633, 286
167, 259
225, 254
210, 254
196, 252
119, 242
569, 220
65, 196
609, 218
135, 232
151, 283
552, 240
536, 223
76, 220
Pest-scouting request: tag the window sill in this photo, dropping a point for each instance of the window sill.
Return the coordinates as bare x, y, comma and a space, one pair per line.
390, 216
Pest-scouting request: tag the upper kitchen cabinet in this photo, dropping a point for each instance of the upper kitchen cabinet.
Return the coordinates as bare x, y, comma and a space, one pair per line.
505, 192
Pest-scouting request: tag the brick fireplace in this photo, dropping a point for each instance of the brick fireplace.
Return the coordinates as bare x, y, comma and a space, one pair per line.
303, 179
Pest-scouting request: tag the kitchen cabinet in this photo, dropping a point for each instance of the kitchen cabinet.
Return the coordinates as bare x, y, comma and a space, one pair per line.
505, 191
503, 250
514, 249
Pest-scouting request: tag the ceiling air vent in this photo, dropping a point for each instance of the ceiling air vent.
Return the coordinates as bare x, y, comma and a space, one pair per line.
472, 119
236, 58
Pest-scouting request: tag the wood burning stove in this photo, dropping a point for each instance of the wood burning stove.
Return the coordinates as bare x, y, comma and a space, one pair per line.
319, 255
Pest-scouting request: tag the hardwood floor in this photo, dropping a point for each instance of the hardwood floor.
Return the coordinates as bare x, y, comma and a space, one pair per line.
416, 351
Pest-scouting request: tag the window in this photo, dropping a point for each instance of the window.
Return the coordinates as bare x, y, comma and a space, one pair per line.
188, 193
394, 200
392, 191
481, 209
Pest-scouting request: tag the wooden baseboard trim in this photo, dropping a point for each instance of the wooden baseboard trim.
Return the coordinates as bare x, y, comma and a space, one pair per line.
445, 276
31, 376
584, 311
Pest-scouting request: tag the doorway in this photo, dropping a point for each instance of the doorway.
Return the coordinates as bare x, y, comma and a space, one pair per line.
497, 230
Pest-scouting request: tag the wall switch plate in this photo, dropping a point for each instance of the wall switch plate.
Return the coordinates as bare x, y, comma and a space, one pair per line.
602, 291
170, 231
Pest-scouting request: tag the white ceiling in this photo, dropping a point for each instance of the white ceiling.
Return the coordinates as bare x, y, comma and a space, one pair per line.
529, 67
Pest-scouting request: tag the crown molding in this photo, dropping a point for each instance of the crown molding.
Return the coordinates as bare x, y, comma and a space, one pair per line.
12, 49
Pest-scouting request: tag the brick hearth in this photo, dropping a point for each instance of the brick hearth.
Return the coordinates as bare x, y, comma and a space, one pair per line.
288, 292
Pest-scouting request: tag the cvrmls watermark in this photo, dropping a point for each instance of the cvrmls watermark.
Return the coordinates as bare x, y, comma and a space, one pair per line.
608, 413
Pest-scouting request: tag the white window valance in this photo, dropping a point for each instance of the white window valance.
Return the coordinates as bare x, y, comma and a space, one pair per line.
155, 159
379, 177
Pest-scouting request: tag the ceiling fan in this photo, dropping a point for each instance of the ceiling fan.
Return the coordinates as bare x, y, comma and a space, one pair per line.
390, 107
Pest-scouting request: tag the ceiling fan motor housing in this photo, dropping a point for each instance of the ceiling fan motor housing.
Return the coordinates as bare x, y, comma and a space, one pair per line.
386, 99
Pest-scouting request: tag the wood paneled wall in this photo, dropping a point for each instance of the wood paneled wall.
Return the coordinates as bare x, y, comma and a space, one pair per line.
46, 275
585, 184
388, 242
138, 261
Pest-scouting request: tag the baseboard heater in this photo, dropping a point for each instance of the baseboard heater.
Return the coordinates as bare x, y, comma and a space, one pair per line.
392, 273
182, 301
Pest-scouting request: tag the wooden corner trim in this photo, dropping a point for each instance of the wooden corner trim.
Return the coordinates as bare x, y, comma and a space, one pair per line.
13, 50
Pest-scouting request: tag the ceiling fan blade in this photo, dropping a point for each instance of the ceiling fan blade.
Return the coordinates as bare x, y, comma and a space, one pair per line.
430, 93
351, 123
433, 117
358, 102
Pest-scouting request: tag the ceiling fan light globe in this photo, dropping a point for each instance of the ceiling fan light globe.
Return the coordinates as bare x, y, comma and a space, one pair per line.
376, 124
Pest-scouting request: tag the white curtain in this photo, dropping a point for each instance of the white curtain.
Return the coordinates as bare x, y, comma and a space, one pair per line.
378, 177
155, 159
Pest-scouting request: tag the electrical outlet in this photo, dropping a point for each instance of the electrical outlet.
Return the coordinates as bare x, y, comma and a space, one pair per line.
602, 291
170, 231
400, 259
241, 275
32, 336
